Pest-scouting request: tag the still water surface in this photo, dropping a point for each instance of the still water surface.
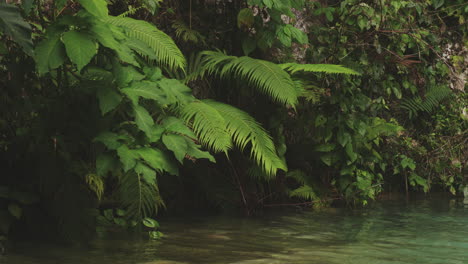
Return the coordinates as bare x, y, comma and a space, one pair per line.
426, 231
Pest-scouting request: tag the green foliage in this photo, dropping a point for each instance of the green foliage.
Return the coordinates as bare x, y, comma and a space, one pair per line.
97, 8
187, 34
167, 53
326, 68
12, 24
219, 126
244, 130
434, 96
265, 76
80, 48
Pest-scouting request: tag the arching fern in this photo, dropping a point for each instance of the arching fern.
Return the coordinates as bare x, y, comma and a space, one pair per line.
219, 125
266, 76
163, 46
325, 68
434, 96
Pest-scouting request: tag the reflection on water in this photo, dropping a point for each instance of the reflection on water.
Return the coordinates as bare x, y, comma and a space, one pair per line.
392, 232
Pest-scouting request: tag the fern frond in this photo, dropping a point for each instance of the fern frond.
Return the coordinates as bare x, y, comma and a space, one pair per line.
187, 34
298, 175
266, 76
95, 184
244, 131
434, 96
326, 68
208, 124
308, 91
163, 46
131, 11
139, 197
304, 192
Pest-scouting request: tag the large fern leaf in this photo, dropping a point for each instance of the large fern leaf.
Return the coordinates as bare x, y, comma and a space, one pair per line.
326, 68
266, 76
434, 96
244, 131
208, 124
219, 125
163, 46
139, 197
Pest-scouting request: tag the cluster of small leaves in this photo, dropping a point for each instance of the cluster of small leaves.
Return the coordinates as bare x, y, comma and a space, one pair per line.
273, 20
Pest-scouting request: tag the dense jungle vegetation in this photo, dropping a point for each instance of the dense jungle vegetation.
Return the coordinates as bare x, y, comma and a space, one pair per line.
114, 112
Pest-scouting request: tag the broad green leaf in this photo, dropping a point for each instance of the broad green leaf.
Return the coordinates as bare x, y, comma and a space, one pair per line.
111, 140
109, 99
177, 144
106, 35
350, 152
349, 170
298, 35
245, 18
194, 151
343, 138
59, 4
14, 25
145, 89
125, 75
104, 164
320, 120
328, 159
150, 222
248, 45
268, 3
176, 92
96, 7
149, 175
174, 124
49, 54
156, 133
284, 36
120, 212
157, 159
27, 6
15, 210
397, 92
127, 156
80, 48
325, 147
143, 119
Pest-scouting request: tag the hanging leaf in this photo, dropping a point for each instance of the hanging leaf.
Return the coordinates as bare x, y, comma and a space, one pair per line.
143, 119
248, 45
127, 157
109, 99
145, 89
104, 164
15, 210
325, 147
176, 144
194, 151
174, 124
149, 175
80, 48
245, 18
157, 159
14, 25
111, 140
49, 54
150, 222
96, 7
350, 152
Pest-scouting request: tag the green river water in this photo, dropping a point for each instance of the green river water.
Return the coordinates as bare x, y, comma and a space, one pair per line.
422, 231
